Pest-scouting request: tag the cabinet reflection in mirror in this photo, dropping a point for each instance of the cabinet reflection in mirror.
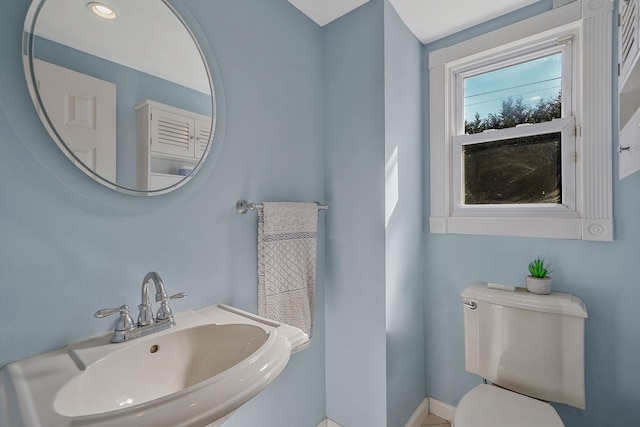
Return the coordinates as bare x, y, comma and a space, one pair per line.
124, 91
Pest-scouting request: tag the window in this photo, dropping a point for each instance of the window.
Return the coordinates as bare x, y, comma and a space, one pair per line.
520, 129
515, 132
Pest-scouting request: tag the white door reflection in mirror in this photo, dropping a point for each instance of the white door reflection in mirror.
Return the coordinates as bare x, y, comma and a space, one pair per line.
82, 109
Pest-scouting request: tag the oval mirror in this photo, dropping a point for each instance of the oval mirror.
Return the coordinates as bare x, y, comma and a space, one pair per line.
123, 89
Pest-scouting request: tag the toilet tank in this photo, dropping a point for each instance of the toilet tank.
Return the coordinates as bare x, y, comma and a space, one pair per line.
527, 343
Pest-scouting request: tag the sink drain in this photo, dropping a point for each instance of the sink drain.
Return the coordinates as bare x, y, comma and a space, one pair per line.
154, 348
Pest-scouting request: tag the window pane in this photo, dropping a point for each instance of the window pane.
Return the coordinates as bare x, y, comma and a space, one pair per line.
513, 171
529, 92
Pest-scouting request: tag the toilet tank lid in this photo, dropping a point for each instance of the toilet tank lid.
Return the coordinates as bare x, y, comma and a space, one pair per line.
555, 302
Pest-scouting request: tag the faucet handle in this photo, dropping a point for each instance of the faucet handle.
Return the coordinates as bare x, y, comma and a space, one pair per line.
163, 296
181, 295
125, 322
164, 312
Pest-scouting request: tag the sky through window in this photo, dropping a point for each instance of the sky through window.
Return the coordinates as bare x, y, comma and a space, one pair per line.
533, 81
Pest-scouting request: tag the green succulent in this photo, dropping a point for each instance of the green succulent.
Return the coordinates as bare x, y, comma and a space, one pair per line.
538, 269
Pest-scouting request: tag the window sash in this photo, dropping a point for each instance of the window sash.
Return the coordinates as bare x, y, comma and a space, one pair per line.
548, 47
565, 126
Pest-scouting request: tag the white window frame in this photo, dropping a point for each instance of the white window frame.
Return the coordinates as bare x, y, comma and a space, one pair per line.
585, 27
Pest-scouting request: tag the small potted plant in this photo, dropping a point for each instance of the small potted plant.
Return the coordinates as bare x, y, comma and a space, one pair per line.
538, 282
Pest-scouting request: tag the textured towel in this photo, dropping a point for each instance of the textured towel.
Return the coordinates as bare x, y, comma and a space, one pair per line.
287, 244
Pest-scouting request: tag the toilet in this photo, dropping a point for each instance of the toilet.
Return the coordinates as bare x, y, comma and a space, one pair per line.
530, 350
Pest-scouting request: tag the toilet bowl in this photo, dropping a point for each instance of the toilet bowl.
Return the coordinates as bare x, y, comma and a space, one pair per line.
530, 348
492, 406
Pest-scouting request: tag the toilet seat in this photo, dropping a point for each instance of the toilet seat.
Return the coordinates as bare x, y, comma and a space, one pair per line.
492, 406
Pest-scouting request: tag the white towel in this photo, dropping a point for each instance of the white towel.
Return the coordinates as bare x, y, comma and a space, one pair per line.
287, 246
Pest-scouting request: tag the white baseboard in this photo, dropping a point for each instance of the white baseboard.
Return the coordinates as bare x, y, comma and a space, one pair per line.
441, 409
419, 414
428, 405
328, 423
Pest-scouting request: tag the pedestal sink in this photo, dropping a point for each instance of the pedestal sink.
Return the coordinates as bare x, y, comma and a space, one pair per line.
195, 374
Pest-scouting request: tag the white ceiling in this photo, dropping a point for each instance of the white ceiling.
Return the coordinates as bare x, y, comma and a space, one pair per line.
325, 11
429, 20
144, 37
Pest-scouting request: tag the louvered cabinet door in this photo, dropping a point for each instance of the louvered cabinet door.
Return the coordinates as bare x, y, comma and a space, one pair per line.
168, 139
629, 87
203, 135
628, 38
172, 134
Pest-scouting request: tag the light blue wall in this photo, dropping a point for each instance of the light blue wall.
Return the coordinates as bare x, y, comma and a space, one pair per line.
375, 330
406, 348
354, 181
69, 246
604, 275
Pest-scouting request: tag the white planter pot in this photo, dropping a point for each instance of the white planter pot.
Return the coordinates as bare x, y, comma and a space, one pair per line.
538, 286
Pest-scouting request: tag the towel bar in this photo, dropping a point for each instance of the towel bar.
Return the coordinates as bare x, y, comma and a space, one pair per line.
242, 206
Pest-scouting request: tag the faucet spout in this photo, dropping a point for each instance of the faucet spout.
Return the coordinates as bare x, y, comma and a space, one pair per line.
160, 292
145, 316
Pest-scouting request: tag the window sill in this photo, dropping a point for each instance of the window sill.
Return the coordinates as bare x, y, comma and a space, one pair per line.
560, 228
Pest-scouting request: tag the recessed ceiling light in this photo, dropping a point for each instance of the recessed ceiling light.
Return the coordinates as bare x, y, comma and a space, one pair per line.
102, 10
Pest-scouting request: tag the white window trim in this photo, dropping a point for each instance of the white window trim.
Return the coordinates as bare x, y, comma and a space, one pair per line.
592, 219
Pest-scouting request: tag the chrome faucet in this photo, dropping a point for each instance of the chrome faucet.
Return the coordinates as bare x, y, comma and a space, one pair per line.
126, 329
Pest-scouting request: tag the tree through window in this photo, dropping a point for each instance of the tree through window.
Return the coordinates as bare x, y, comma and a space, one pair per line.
525, 93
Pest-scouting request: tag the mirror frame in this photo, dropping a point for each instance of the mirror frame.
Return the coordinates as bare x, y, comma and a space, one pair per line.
28, 40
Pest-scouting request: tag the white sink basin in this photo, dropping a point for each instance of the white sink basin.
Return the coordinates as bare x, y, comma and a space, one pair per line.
178, 360
194, 374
